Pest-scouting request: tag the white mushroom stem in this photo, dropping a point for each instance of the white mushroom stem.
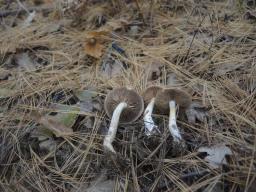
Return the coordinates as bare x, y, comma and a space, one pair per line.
175, 132
150, 126
109, 138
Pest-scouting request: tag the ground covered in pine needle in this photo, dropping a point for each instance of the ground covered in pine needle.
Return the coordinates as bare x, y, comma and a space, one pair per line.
59, 59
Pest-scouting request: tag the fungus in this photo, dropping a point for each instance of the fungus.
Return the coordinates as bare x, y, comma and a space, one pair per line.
149, 99
166, 101
124, 105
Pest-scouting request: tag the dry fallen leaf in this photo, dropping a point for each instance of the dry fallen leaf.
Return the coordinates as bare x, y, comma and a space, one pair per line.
50, 122
93, 45
111, 67
216, 154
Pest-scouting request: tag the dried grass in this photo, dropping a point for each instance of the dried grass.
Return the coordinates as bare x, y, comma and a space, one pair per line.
187, 39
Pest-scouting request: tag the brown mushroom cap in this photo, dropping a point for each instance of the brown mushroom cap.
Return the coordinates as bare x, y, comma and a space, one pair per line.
134, 101
163, 98
150, 93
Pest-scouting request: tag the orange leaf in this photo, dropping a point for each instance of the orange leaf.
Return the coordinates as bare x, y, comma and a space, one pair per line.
93, 45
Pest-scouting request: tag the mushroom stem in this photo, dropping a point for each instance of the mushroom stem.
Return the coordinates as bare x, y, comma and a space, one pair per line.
175, 132
148, 120
109, 138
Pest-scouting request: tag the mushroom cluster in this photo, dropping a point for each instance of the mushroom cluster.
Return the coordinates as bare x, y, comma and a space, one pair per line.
125, 105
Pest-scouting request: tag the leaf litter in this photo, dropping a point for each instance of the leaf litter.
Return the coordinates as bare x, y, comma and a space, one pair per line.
95, 46
216, 155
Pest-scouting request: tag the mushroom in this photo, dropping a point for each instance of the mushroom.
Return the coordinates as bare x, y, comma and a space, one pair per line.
123, 105
166, 101
149, 99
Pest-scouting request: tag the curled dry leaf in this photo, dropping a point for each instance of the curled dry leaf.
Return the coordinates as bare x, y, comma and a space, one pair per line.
93, 45
216, 154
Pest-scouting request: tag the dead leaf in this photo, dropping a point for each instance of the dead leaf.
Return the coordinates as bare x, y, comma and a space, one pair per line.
50, 122
86, 98
86, 95
67, 114
56, 127
93, 45
41, 133
111, 67
216, 154
196, 112
93, 48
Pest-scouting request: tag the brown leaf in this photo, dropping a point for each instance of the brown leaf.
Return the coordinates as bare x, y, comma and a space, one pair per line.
93, 45
93, 48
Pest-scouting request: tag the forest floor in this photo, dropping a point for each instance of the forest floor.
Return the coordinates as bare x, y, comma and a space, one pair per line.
60, 58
